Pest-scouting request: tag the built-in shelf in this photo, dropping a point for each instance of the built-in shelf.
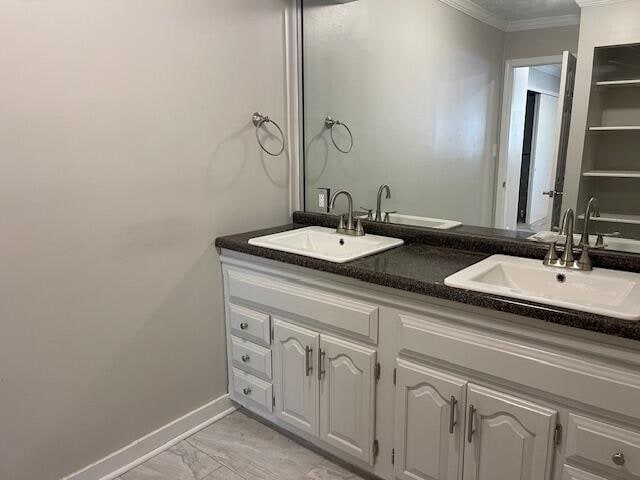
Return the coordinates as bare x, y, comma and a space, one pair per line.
617, 128
615, 218
612, 173
619, 83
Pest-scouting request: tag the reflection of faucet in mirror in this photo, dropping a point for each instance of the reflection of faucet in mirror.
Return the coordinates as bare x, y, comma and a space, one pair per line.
593, 209
348, 229
382, 188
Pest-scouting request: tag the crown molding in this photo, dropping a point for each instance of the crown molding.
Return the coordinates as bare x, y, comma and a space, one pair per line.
543, 22
479, 13
595, 3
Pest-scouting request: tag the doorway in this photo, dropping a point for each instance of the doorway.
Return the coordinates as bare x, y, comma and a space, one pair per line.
529, 142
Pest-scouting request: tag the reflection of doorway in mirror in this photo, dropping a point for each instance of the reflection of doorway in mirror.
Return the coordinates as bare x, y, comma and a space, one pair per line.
531, 165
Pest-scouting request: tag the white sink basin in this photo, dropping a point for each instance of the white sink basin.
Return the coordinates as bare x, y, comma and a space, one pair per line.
438, 223
605, 292
326, 244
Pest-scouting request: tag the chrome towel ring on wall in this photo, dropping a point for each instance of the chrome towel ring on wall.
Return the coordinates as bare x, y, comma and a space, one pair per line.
259, 120
329, 123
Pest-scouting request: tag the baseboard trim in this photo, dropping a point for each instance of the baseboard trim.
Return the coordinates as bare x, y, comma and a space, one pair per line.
141, 450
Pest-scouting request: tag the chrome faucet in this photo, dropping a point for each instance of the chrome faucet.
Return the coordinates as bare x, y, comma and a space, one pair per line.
593, 209
350, 228
382, 188
567, 231
568, 259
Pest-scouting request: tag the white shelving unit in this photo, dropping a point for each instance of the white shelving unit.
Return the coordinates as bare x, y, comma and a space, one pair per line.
615, 128
611, 159
612, 173
619, 83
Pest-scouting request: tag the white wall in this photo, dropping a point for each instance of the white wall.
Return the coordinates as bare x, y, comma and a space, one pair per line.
419, 85
125, 149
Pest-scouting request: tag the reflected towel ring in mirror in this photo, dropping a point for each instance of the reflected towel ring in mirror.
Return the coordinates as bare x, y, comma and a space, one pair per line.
329, 123
258, 120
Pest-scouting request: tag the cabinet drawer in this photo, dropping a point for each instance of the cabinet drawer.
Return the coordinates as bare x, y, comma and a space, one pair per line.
252, 391
251, 358
249, 324
334, 311
571, 473
592, 441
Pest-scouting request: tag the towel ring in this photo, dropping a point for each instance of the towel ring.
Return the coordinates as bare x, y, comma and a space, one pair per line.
329, 123
258, 120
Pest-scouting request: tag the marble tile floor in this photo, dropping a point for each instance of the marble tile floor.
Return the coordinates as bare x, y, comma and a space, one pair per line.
238, 447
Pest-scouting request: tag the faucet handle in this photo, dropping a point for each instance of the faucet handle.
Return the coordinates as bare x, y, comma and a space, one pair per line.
552, 255
386, 215
359, 229
341, 225
369, 212
600, 238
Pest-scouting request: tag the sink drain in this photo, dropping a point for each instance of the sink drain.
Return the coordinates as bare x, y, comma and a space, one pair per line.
561, 277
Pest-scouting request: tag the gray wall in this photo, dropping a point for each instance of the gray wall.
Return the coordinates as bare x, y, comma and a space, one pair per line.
419, 85
542, 42
125, 148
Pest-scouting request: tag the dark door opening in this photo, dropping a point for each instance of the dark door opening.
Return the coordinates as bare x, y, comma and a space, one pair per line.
525, 170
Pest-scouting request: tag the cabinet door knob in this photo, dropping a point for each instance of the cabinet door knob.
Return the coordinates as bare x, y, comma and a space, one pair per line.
618, 458
244, 326
246, 391
245, 358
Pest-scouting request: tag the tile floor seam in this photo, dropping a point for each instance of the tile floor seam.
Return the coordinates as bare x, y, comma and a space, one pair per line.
220, 461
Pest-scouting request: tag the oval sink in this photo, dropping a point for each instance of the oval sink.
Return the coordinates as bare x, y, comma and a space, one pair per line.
326, 244
601, 291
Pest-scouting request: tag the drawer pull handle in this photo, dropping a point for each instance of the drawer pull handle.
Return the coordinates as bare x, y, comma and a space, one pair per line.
244, 326
246, 358
618, 458
472, 412
307, 359
452, 414
246, 391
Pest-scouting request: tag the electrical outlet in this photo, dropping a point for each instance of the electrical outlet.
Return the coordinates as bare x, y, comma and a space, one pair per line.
322, 200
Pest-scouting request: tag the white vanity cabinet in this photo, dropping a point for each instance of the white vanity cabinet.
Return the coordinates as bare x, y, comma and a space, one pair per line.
439, 416
507, 437
429, 423
324, 386
411, 388
347, 396
295, 380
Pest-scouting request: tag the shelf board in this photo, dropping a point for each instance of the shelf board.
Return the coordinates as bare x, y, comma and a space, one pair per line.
619, 83
617, 128
615, 218
612, 173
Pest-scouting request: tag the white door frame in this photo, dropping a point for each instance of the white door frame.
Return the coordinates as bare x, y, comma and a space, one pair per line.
505, 123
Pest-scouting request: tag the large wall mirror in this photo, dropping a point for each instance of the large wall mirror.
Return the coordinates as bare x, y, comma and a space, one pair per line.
465, 113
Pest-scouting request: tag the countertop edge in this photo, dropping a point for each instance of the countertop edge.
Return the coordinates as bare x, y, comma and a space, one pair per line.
570, 318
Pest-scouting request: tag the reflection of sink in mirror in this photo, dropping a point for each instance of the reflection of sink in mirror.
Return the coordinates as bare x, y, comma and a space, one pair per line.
611, 243
326, 244
600, 291
438, 223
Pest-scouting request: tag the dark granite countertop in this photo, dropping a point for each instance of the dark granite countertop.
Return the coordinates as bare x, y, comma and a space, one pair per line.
422, 267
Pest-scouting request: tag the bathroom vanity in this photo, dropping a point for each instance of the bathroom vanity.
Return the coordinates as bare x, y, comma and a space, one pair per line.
380, 364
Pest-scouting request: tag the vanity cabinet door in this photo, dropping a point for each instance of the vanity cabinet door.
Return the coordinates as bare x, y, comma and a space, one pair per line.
294, 375
429, 423
507, 437
347, 396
